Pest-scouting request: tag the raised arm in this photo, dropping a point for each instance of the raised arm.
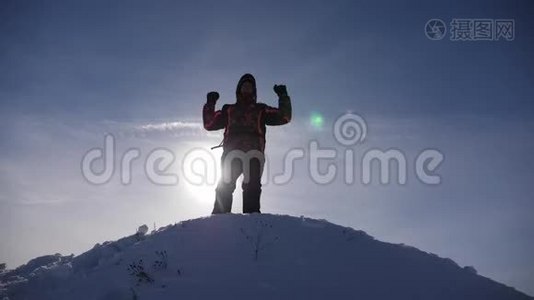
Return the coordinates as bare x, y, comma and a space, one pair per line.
282, 114
213, 120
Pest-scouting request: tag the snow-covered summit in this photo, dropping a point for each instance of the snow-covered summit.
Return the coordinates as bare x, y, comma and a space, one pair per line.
256, 256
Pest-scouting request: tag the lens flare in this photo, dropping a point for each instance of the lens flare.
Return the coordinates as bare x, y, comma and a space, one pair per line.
316, 120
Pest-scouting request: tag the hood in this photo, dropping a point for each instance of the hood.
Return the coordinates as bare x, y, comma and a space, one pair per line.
246, 77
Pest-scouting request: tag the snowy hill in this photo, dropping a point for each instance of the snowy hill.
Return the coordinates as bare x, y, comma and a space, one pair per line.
257, 256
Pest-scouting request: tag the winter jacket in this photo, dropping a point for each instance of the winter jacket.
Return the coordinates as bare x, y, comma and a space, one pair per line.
244, 122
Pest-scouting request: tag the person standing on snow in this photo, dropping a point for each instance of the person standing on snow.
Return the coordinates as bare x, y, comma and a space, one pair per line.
243, 145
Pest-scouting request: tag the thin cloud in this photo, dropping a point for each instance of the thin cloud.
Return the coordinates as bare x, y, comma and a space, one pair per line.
164, 129
171, 129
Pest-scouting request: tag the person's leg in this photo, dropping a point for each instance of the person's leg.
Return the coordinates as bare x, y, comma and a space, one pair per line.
252, 188
226, 186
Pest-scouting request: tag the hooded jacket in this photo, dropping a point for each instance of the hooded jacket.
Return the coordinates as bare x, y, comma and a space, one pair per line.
244, 122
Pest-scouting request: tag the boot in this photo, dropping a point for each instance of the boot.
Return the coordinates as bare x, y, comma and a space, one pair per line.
223, 203
251, 200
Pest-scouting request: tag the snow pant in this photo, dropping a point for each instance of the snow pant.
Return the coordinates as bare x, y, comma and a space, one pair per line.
251, 166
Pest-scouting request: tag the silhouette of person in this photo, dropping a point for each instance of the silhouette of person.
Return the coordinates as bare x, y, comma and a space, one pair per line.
244, 124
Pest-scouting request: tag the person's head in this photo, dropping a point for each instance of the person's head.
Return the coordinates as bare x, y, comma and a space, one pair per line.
246, 89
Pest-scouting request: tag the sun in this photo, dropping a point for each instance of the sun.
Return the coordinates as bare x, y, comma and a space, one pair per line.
200, 173
201, 193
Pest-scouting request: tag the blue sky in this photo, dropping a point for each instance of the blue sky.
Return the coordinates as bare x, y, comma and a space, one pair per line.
73, 71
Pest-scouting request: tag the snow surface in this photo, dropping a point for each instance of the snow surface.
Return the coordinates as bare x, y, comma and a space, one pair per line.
253, 256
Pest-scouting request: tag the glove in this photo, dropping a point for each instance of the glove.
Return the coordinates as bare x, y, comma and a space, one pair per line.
280, 90
212, 97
